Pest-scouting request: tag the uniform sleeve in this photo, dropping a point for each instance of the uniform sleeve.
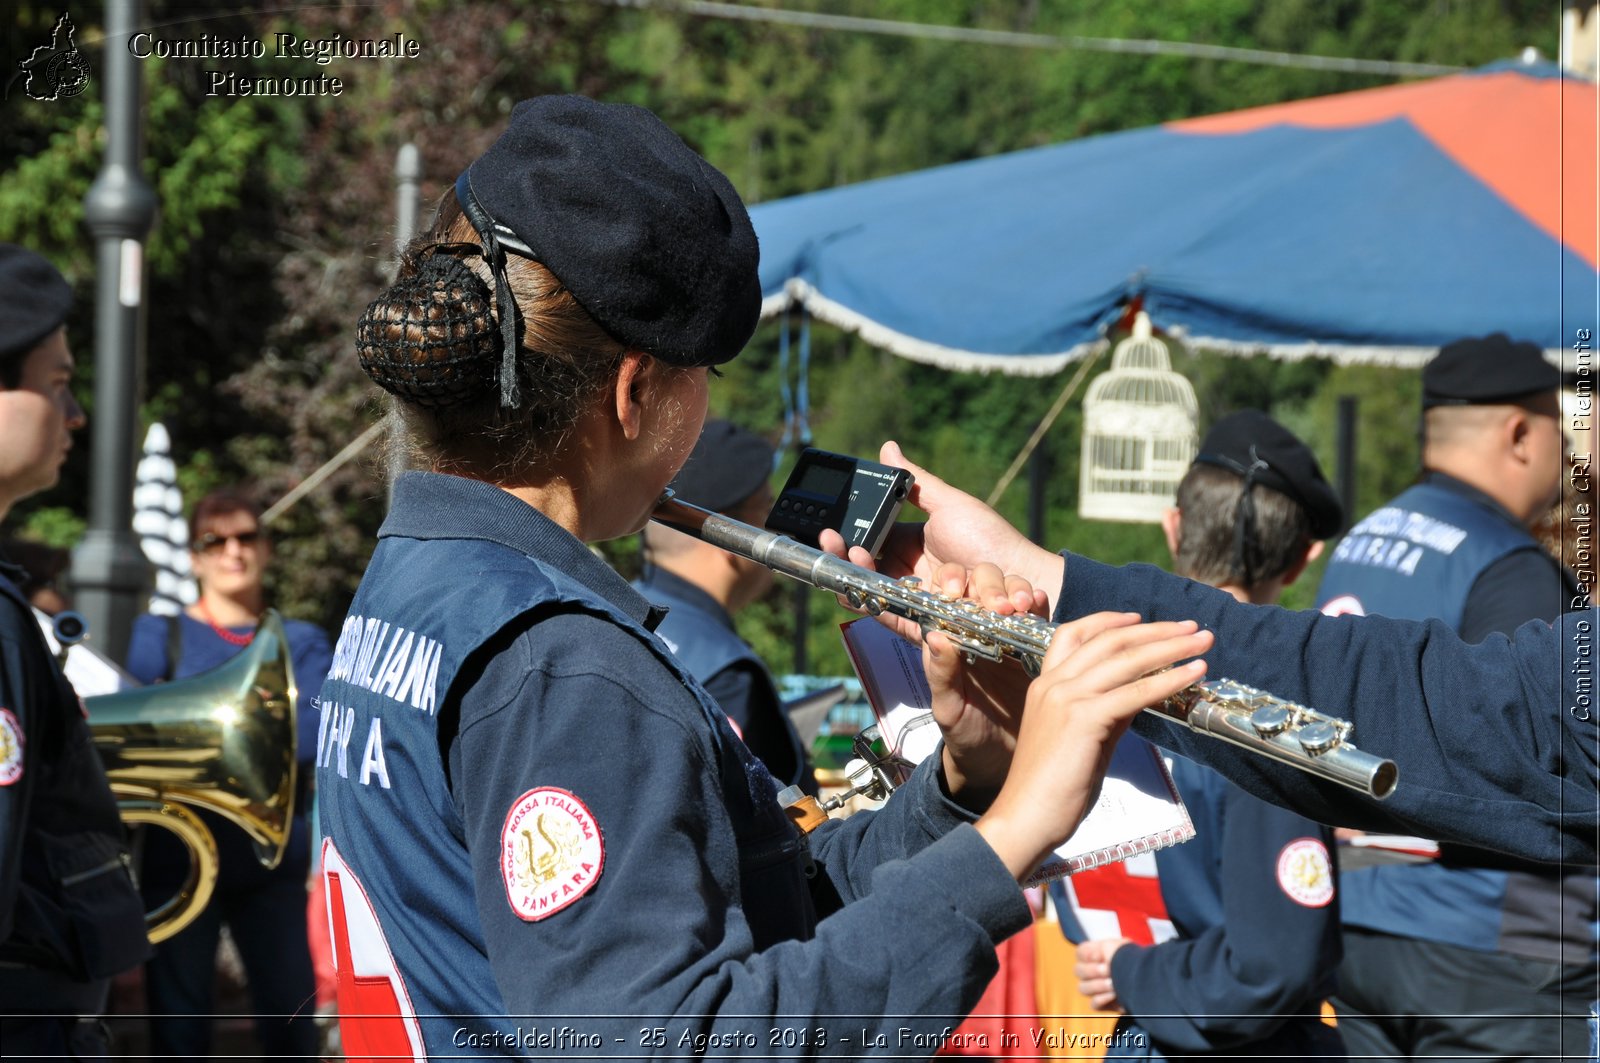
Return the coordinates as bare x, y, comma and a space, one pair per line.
1278, 939
664, 935
731, 688
147, 648
746, 695
848, 849
313, 657
1495, 743
1522, 586
21, 698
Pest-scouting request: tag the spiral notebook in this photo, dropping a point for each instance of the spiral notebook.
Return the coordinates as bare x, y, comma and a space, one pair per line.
1139, 809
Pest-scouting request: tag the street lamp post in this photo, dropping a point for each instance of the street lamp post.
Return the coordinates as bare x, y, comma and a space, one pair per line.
108, 571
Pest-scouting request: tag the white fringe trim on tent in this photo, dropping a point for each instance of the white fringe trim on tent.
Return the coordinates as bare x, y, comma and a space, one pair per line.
1339, 354
799, 292
822, 308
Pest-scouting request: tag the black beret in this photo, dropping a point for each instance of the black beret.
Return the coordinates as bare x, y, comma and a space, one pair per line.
727, 466
35, 301
1257, 447
1486, 370
650, 238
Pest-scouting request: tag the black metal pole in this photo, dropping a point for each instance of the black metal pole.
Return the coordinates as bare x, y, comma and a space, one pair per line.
1038, 483
1346, 446
108, 571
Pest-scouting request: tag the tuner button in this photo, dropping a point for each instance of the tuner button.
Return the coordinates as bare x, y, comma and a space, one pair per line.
1270, 719
1318, 737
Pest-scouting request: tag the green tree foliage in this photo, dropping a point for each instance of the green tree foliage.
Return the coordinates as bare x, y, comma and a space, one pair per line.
276, 223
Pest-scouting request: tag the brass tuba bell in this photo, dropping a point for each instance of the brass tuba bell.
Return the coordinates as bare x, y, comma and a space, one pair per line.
223, 740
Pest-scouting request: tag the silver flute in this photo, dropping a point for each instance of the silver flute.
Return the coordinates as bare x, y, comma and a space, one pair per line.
1222, 708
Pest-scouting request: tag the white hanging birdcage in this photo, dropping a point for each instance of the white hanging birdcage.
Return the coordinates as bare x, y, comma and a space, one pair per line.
1140, 431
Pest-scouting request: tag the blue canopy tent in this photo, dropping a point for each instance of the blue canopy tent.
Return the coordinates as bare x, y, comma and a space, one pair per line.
1369, 226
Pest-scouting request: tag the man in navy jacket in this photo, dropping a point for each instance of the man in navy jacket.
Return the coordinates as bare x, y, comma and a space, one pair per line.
1469, 953
1209, 971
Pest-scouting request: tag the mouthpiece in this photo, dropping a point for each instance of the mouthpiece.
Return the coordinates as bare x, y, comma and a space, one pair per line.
69, 628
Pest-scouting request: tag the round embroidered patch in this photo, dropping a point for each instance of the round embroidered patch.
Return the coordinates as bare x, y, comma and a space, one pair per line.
10, 748
1305, 873
551, 852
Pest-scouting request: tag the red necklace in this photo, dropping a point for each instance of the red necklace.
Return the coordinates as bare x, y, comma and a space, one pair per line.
222, 633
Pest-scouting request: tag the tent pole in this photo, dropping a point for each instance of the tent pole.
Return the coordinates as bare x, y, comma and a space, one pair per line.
1346, 448
1038, 481
1044, 426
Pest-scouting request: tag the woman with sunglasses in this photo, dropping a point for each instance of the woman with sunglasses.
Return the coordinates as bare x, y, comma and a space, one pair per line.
542, 837
265, 911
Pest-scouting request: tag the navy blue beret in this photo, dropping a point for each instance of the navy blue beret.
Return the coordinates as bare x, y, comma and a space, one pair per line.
1486, 370
650, 238
1263, 451
727, 466
34, 299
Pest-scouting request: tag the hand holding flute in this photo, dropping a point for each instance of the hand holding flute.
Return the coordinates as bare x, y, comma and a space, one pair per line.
1038, 775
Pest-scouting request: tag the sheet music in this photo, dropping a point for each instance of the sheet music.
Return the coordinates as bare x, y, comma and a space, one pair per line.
1139, 809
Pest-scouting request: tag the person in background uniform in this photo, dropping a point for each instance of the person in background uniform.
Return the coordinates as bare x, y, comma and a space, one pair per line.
1469, 954
264, 910
70, 916
43, 569
702, 586
1566, 530
1227, 943
1496, 743
530, 807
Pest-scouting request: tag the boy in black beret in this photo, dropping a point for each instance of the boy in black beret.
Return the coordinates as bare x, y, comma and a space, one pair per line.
1469, 954
704, 586
1250, 515
1252, 543
70, 917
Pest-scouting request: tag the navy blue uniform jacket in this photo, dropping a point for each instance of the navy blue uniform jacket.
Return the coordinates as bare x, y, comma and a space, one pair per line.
70, 916
701, 633
1496, 742
1455, 540
1252, 900
537, 822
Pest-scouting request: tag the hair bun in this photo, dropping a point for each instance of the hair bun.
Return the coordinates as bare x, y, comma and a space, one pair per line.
431, 338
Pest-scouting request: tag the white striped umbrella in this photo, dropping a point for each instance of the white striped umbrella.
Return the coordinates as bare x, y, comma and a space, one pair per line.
158, 521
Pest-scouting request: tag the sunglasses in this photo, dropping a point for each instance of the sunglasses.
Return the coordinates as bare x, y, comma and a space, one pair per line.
211, 542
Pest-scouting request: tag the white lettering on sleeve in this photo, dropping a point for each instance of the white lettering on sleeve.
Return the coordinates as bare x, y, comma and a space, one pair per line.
372, 758
344, 741
322, 727
394, 668
369, 676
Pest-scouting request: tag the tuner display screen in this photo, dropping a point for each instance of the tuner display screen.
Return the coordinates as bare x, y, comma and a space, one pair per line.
827, 480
